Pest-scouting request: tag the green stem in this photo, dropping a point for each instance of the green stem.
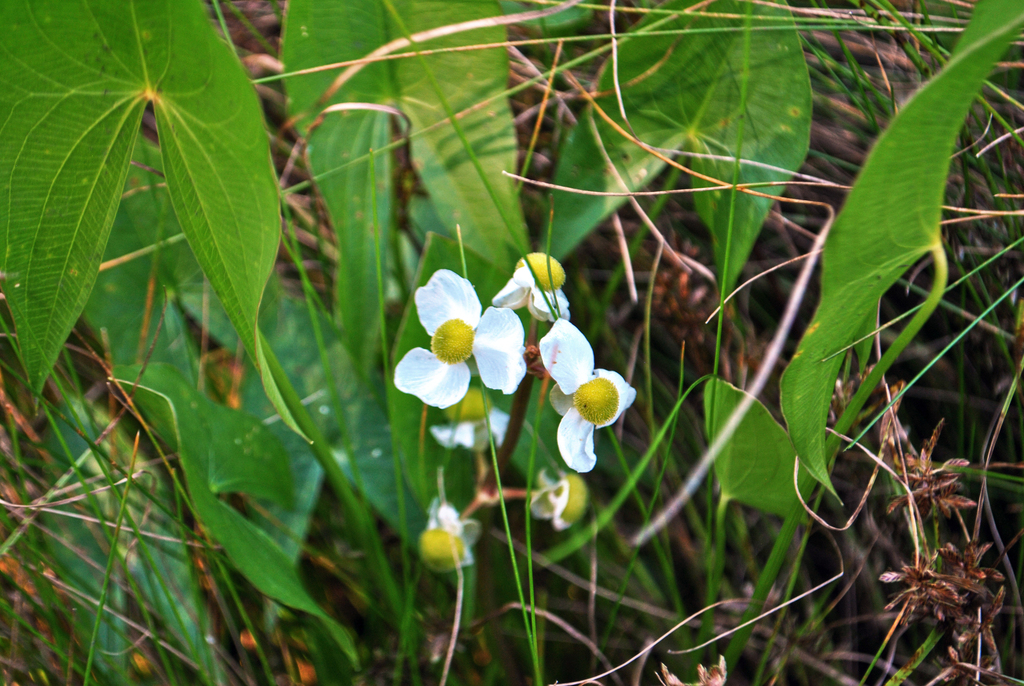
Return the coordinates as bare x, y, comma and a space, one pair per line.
852, 411
916, 659
716, 570
531, 637
764, 583
114, 548
321, 449
778, 554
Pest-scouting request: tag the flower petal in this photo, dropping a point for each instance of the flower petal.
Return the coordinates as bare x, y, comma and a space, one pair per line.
498, 349
421, 374
470, 533
447, 296
542, 504
499, 425
523, 277
448, 519
627, 394
452, 435
432, 520
539, 308
567, 356
512, 296
560, 401
576, 441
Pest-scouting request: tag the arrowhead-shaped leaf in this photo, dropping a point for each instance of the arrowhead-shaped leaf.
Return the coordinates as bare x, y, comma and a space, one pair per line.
200, 430
891, 218
684, 92
325, 31
79, 76
756, 466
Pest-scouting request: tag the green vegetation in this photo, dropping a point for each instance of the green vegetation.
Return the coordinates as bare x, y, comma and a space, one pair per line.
477, 342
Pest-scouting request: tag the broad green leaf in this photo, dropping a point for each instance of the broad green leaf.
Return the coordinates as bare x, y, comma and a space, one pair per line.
361, 436
891, 218
330, 31
163, 394
342, 139
568, 22
349, 197
70, 107
422, 458
331, 669
118, 301
245, 458
756, 466
78, 79
684, 92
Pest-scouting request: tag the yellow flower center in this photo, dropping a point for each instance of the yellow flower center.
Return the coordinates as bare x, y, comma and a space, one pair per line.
539, 263
577, 503
453, 341
597, 400
469, 409
436, 548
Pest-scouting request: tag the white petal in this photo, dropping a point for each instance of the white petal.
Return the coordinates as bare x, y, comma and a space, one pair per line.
432, 520
545, 480
627, 394
512, 296
448, 519
452, 435
498, 350
470, 532
499, 425
559, 524
561, 497
567, 356
523, 277
539, 308
576, 441
542, 504
560, 401
421, 374
447, 296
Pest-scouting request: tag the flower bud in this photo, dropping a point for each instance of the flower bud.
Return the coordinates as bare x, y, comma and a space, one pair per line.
539, 264
576, 505
564, 501
440, 550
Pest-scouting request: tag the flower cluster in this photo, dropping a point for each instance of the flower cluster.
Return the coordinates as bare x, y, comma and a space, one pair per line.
492, 345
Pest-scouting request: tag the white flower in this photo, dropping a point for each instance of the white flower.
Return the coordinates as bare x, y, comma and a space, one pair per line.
450, 312
523, 289
446, 542
587, 398
469, 424
563, 502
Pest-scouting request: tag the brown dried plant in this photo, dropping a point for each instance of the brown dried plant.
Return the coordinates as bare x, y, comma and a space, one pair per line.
951, 585
706, 676
931, 486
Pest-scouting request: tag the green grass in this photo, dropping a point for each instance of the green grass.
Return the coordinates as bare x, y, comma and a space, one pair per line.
108, 574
